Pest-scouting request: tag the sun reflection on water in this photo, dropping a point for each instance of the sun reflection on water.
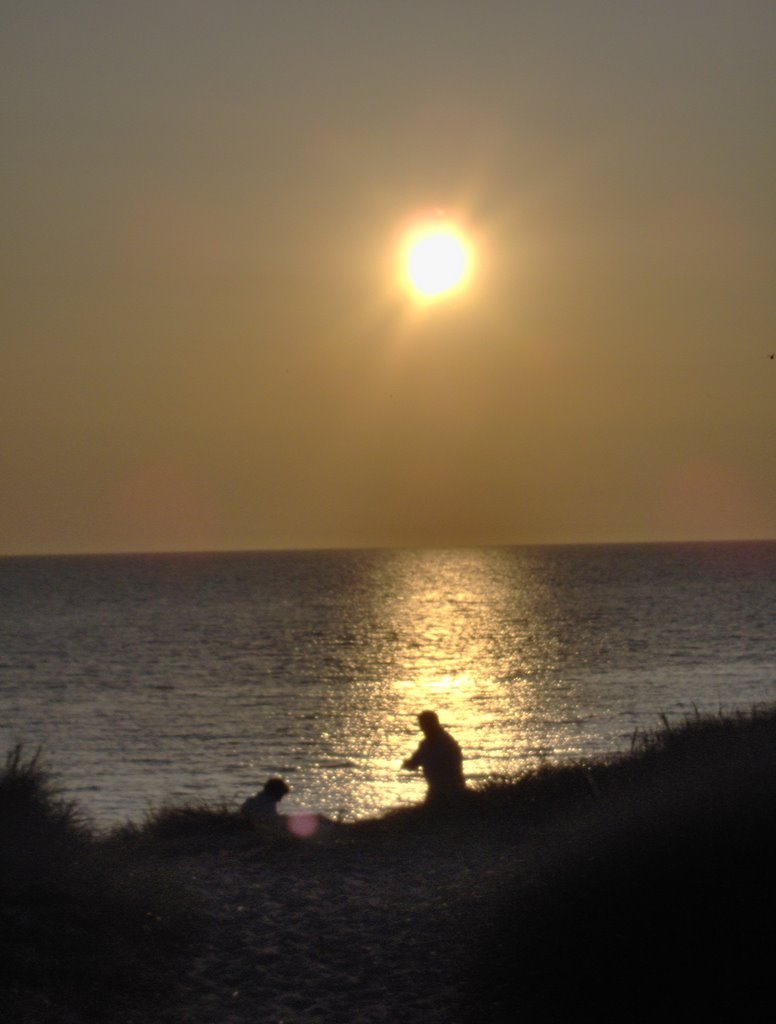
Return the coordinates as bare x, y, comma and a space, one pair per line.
457, 642
482, 637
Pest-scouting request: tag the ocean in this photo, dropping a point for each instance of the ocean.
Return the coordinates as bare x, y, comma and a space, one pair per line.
154, 679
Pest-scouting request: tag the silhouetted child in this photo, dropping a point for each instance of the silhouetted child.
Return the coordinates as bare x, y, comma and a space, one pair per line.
266, 800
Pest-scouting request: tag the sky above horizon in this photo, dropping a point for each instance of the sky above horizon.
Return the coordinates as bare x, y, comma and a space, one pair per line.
206, 341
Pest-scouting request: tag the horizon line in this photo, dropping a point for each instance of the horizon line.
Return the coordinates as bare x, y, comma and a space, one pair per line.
335, 548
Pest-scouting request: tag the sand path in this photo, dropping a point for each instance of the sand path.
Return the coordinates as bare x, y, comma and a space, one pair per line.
368, 933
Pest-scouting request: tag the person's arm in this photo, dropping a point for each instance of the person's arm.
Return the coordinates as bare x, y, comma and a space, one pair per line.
415, 761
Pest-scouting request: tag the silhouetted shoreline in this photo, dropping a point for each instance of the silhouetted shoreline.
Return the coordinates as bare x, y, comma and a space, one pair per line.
577, 889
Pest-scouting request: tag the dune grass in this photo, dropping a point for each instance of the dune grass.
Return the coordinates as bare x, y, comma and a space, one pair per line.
194, 828
651, 895
85, 927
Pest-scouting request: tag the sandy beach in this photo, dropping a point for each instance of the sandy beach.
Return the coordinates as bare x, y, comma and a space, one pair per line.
323, 932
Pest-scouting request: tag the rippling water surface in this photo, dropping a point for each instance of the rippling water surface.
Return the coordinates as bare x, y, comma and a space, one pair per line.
184, 677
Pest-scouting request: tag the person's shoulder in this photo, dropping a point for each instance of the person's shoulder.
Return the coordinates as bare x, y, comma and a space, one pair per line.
258, 804
452, 742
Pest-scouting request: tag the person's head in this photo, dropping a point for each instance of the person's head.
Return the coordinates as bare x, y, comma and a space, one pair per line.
275, 788
429, 722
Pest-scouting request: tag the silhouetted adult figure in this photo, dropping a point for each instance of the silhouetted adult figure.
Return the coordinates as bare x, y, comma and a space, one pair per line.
440, 758
266, 800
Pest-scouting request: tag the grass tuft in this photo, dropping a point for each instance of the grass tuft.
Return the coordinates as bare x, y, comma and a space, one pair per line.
86, 928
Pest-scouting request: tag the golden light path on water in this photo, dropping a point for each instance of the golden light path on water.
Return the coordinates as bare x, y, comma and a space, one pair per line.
453, 641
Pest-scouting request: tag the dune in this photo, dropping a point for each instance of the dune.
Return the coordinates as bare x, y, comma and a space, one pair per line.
627, 889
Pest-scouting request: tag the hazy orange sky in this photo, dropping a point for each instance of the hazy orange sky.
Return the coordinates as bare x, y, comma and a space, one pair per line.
204, 345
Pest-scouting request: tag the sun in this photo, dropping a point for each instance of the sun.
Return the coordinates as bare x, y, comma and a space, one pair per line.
436, 260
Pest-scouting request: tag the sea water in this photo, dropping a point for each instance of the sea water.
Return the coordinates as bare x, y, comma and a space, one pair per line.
153, 679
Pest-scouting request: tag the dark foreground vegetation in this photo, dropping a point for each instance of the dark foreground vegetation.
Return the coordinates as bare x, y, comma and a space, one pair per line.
652, 896
638, 888
89, 931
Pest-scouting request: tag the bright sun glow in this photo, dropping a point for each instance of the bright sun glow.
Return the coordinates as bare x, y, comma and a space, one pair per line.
437, 260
